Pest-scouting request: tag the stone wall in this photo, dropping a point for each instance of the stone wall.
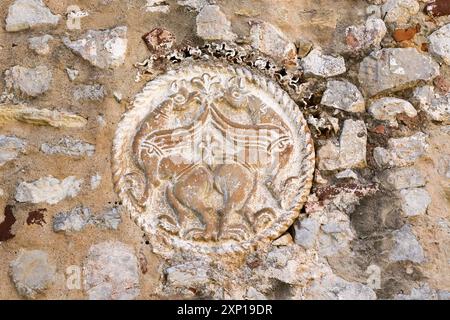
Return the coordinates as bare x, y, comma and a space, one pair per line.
375, 91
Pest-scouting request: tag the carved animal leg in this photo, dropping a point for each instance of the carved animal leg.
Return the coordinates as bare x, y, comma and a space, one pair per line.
179, 209
236, 184
193, 191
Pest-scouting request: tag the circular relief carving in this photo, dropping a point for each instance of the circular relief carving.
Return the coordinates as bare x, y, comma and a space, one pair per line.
213, 158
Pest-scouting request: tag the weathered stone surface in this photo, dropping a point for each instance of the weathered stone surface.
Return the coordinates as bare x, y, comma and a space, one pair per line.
343, 95
48, 189
399, 11
414, 201
30, 81
187, 275
10, 148
270, 40
435, 105
213, 24
108, 219
193, 4
78, 218
32, 273
95, 92
44, 117
73, 220
96, 180
422, 292
402, 178
401, 151
72, 73
406, 247
111, 272
332, 287
387, 109
159, 40
70, 147
29, 14
440, 43
351, 152
395, 69
40, 45
367, 36
306, 231
322, 65
335, 233
347, 174
102, 48
157, 6
284, 240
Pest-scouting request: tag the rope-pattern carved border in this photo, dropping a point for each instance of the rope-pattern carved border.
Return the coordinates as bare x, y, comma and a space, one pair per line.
132, 118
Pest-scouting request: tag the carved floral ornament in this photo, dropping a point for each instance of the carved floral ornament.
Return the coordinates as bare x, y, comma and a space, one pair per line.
213, 159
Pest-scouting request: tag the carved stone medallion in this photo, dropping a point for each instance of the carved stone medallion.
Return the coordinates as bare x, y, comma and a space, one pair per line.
213, 159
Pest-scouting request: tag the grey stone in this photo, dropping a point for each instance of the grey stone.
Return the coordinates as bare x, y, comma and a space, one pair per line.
406, 246
402, 178
399, 11
253, 294
423, 292
32, 273
72, 74
435, 105
102, 48
395, 69
366, 36
343, 95
157, 6
30, 81
347, 174
108, 219
322, 65
187, 275
213, 24
95, 92
414, 201
196, 5
443, 295
270, 40
402, 151
386, 109
332, 287
351, 152
40, 44
80, 217
306, 231
29, 14
111, 272
70, 147
48, 189
10, 148
335, 233
440, 43
73, 220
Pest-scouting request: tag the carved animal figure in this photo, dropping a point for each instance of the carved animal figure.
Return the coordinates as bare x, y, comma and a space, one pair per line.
211, 155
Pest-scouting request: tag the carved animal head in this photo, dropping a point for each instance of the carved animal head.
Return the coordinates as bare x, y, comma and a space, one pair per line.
182, 98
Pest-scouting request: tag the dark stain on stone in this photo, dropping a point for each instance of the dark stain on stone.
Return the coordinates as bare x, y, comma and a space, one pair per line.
329, 192
438, 8
36, 217
5, 226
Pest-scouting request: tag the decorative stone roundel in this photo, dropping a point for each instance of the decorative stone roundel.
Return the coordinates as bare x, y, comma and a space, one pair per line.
213, 158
